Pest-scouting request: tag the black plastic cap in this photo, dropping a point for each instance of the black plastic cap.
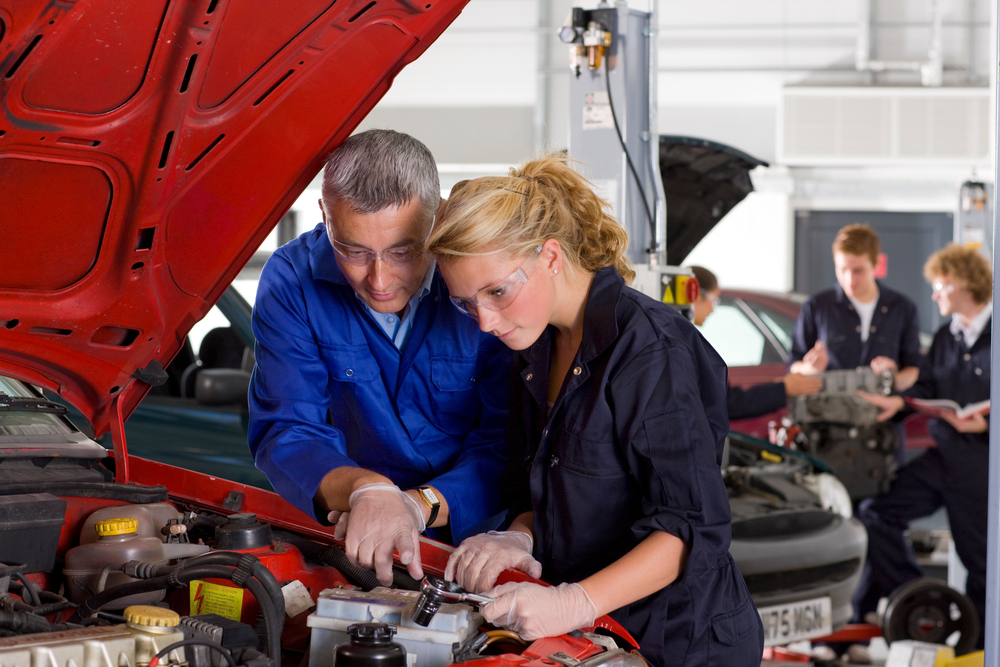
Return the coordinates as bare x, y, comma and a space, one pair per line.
242, 532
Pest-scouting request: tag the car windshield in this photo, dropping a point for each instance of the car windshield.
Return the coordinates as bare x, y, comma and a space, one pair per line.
15, 422
737, 340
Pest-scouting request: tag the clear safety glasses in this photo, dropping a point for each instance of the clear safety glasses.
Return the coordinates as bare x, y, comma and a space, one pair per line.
498, 296
398, 256
941, 287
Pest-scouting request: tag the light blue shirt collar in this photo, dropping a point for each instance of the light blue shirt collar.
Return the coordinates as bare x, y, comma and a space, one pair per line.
396, 327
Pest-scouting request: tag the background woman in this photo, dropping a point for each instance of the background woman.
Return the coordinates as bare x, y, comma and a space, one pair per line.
618, 419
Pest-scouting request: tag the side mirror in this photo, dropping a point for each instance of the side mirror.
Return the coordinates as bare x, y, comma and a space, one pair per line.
221, 386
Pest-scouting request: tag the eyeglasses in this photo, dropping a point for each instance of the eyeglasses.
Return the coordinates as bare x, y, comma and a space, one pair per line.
711, 298
941, 287
398, 256
498, 296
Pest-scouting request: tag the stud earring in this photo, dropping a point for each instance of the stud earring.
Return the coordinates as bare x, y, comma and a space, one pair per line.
555, 271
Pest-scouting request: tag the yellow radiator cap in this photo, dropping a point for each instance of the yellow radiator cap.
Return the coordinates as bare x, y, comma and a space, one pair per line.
116, 527
156, 617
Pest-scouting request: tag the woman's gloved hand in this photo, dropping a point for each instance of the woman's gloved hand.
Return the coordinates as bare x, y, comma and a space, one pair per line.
382, 518
535, 611
480, 559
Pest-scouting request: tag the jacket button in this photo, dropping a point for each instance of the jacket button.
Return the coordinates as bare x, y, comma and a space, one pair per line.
858, 328
885, 309
577, 370
958, 336
350, 372
979, 371
554, 462
873, 330
967, 356
529, 376
545, 433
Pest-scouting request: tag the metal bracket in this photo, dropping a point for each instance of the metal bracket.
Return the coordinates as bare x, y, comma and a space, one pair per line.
117, 424
565, 660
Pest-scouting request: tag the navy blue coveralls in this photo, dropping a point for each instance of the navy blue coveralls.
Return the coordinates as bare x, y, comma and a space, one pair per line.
953, 475
830, 317
755, 401
633, 444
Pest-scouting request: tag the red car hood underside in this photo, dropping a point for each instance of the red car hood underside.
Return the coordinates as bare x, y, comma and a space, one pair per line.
148, 148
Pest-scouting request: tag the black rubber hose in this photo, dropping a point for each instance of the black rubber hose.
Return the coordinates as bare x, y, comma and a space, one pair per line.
26, 623
32, 597
181, 576
322, 554
91, 605
259, 571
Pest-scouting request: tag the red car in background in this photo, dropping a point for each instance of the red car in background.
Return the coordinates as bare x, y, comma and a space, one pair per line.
753, 332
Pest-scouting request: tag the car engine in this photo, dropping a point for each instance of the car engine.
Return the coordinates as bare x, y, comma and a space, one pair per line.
841, 429
98, 581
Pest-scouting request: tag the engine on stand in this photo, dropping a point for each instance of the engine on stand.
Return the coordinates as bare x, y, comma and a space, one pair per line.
841, 429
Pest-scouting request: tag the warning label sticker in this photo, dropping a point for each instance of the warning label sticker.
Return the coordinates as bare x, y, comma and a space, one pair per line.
597, 111
207, 598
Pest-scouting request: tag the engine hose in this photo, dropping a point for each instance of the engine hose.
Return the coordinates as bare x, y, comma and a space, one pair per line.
26, 623
259, 572
181, 576
91, 605
331, 556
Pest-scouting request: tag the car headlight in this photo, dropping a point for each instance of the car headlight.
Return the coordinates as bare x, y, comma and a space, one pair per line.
831, 493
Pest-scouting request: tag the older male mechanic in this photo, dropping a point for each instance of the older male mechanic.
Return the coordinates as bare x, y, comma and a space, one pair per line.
859, 322
375, 403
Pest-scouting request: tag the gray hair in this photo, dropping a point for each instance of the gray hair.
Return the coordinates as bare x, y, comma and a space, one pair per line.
376, 169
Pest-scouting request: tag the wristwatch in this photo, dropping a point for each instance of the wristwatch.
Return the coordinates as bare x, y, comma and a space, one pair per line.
428, 496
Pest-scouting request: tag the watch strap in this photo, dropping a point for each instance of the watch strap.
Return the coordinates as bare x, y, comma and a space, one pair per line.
435, 507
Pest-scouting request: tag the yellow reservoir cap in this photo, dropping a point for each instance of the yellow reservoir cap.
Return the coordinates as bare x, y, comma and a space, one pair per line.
116, 527
156, 617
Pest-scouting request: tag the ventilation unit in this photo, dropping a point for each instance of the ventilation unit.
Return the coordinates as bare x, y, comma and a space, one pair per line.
838, 125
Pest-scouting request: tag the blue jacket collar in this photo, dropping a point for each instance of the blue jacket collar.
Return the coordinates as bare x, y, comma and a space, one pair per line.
886, 296
322, 261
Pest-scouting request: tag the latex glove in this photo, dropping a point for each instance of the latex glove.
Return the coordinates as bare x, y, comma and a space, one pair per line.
478, 561
882, 363
382, 518
817, 358
535, 611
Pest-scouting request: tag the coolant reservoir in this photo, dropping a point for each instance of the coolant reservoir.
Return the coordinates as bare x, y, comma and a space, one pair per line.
118, 542
151, 518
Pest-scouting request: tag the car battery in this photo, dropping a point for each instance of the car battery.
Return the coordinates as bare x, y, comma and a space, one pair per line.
452, 627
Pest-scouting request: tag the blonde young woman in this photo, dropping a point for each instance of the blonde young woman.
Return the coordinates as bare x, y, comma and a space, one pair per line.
618, 417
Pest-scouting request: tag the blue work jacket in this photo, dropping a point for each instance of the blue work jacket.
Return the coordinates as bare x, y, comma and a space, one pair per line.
632, 445
829, 316
331, 390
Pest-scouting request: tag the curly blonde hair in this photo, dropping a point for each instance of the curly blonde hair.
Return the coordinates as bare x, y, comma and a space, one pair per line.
964, 266
540, 200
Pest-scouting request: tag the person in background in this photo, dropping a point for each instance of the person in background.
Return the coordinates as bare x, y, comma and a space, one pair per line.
374, 403
860, 322
618, 421
759, 399
955, 474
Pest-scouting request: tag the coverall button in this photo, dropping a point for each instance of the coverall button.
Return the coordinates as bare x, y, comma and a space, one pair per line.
350, 372
885, 309
873, 330
577, 370
967, 356
858, 328
979, 371
529, 376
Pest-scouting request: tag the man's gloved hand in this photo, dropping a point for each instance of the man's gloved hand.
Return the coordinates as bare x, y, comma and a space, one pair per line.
534, 611
382, 518
478, 561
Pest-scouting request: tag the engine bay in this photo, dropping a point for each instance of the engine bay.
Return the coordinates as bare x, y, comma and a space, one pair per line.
104, 582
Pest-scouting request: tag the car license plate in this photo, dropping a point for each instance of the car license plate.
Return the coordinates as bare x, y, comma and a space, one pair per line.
785, 623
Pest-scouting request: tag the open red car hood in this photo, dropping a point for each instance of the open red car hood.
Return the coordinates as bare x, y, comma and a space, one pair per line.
147, 148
